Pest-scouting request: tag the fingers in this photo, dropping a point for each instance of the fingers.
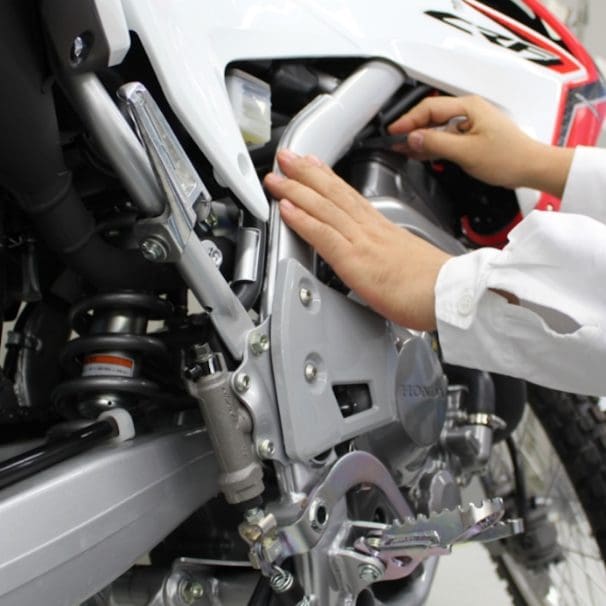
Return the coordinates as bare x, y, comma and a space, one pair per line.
432, 111
329, 243
431, 144
312, 203
317, 176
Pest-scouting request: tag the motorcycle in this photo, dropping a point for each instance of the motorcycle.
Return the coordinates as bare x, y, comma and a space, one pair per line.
194, 409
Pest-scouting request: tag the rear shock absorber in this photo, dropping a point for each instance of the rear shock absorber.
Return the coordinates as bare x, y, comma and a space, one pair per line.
107, 359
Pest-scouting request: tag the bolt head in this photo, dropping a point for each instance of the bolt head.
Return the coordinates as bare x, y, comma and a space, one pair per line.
242, 382
191, 592
311, 372
259, 344
305, 296
369, 573
266, 449
154, 250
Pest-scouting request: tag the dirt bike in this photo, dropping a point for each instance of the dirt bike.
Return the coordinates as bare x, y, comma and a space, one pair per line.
194, 409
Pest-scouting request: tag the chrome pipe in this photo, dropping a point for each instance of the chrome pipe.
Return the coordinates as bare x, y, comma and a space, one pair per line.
342, 114
120, 144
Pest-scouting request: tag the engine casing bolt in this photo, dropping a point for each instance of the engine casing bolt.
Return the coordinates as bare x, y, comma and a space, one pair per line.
305, 296
311, 372
259, 343
191, 592
369, 573
242, 382
266, 449
154, 250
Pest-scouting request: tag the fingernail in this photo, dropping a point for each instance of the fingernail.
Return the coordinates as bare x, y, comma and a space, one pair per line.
415, 141
286, 205
287, 156
314, 160
274, 178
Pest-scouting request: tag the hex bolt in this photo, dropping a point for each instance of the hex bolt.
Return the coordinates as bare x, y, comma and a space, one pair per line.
305, 296
369, 573
191, 592
242, 382
154, 250
259, 343
311, 372
266, 449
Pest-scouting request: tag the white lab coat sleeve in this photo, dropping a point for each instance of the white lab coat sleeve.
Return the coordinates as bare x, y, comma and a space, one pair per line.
555, 264
585, 191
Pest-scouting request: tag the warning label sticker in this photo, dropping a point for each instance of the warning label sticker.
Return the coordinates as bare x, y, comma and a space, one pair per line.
108, 365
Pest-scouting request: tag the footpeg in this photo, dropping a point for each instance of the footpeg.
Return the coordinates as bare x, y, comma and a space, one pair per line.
402, 546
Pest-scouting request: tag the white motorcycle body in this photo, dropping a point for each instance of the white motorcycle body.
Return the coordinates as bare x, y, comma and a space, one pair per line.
190, 45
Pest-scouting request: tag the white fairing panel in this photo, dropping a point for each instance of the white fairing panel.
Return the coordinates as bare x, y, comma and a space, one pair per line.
190, 43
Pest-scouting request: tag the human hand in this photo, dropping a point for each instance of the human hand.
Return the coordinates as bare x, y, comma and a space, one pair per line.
392, 270
491, 147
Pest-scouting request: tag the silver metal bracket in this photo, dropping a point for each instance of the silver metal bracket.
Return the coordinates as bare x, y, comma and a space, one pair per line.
170, 237
253, 382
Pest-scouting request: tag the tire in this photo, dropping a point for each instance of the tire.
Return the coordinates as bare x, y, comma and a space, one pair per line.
562, 446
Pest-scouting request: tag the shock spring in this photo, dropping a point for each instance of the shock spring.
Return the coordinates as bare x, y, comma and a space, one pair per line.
106, 361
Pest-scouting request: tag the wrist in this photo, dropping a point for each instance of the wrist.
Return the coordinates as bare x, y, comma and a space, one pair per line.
547, 168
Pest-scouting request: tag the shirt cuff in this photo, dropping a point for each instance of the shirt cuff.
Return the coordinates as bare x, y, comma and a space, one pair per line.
586, 183
460, 285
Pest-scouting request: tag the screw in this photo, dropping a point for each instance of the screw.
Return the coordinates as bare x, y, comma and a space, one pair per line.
305, 296
191, 591
78, 50
259, 343
369, 573
154, 250
311, 372
242, 382
266, 449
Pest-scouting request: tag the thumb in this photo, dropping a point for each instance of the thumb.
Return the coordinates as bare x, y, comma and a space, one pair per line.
432, 143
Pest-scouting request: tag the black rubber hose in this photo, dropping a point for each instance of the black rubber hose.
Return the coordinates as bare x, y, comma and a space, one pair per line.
510, 401
28, 463
33, 170
405, 103
521, 493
